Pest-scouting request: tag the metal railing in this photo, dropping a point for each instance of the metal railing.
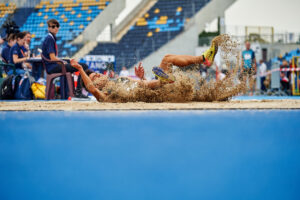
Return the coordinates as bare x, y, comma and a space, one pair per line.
280, 38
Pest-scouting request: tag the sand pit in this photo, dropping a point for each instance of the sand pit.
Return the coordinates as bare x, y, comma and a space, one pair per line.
96, 106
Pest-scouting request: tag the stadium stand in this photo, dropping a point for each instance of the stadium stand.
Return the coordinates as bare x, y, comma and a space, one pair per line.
21, 14
5, 11
160, 24
73, 16
287, 56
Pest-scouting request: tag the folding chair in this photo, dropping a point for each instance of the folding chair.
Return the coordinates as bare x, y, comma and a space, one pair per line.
50, 87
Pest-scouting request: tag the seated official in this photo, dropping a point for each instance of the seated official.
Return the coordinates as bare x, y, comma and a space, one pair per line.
17, 56
11, 41
50, 51
37, 68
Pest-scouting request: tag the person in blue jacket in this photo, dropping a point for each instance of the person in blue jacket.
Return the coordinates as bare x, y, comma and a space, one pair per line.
17, 56
50, 51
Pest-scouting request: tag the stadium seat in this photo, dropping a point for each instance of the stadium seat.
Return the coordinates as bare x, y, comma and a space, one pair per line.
5, 11
73, 15
159, 25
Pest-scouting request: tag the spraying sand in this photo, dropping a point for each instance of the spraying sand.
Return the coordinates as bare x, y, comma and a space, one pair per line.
189, 85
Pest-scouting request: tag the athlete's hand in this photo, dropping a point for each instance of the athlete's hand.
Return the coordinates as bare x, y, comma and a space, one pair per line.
75, 64
139, 71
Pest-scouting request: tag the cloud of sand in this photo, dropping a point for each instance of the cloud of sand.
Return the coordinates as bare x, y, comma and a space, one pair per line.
189, 85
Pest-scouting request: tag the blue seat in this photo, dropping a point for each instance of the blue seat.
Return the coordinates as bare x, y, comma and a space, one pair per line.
137, 39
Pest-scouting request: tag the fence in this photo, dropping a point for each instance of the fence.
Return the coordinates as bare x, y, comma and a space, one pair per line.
263, 34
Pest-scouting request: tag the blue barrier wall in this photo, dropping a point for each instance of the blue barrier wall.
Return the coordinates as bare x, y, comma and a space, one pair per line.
150, 155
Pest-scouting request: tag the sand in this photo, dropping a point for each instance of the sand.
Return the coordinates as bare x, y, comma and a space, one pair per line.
96, 106
188, 86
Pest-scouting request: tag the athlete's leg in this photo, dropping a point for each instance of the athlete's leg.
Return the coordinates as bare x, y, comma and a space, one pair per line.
207, 58
179, 60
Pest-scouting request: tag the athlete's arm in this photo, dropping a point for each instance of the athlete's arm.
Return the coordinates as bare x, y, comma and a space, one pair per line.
100, 96
140, 72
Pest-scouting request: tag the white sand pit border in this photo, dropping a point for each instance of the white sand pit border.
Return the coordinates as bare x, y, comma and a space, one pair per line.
97, 106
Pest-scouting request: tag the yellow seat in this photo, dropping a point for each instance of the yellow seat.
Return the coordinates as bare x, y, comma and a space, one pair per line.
162, 20
141, 22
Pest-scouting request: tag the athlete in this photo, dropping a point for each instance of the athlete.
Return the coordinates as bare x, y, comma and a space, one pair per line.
95, 82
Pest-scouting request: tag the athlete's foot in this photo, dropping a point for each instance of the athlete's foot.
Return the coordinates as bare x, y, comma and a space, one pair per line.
159, 73
209, 54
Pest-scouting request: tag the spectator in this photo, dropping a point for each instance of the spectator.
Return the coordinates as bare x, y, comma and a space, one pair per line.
1, 43
284, 81
285, 65
262, 73
203, 71
37, 68
50, 51
285, 76
11, 41
249, 63
248, 59
17, 56
26, 46
124, 72
110, 73
222, 74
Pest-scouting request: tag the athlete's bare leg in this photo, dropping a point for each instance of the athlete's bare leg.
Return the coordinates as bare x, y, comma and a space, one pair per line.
179, 60
207, 58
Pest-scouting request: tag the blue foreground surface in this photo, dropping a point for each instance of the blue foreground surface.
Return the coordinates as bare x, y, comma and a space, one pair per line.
150, 155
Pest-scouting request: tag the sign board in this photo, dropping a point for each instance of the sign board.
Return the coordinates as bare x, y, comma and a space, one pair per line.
100, 63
